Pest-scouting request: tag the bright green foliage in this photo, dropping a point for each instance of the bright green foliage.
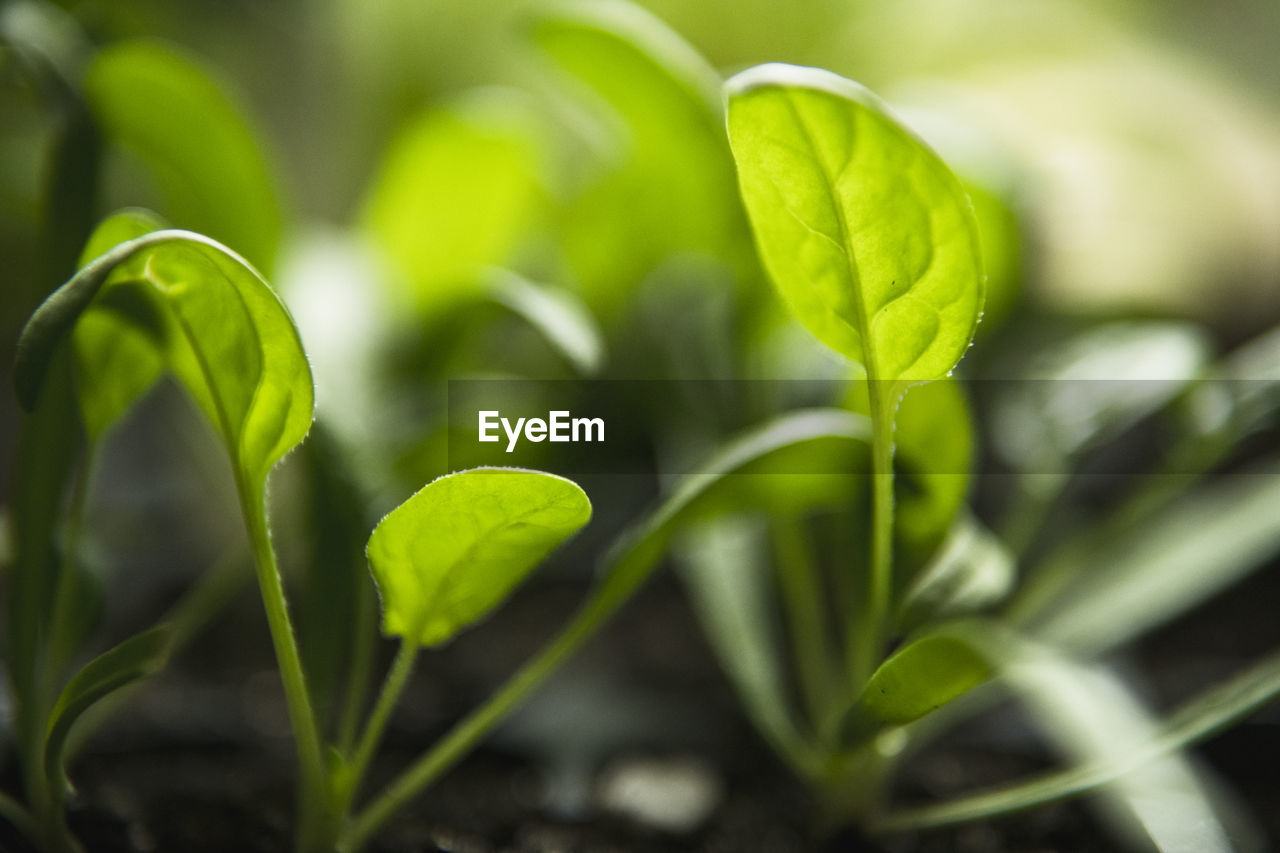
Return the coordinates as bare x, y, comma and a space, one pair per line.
934, 435
920, 678
221, 329
116, 358
173, 114
865, 232
452, 552
455, 194
664, 151
137, 657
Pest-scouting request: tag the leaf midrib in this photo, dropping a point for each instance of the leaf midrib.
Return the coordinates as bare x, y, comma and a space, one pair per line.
859, 309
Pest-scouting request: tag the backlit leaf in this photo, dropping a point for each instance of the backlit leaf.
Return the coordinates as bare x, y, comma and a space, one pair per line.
224, 334
171, 112
663, 148
452, 552
866, 233
455, 194
116, 356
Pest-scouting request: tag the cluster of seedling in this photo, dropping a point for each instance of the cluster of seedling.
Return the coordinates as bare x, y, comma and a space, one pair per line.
873, 245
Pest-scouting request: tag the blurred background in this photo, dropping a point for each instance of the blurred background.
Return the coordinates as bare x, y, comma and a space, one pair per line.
450, 189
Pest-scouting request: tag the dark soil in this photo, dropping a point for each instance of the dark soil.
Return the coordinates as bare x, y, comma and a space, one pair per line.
202, 760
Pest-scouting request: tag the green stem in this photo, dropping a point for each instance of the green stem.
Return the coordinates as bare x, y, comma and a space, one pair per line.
359, 668
63, 624
802, 597
872, 637
312, 790
626, 575
392, 687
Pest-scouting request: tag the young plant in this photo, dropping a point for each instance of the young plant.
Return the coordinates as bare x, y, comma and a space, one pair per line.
871, 242
162, 300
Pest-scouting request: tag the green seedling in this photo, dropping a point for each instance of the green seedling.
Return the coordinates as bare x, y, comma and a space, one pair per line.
871, 243
177, 302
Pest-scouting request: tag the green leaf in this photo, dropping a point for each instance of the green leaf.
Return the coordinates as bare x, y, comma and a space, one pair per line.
455, 195
1090, 715
116, 354
663, 147
919, 678
168, 110
971, 570
1160, 568
1202, 716
934, 436
451, 553
1090, 388
728, 582
866, 233
563, 320
137, 657
224, 334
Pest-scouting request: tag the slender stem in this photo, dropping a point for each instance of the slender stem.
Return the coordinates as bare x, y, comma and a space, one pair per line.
392, 687
312, 794
359, 667
880, 589
466, 733
802, 597
1199, 718
63, 623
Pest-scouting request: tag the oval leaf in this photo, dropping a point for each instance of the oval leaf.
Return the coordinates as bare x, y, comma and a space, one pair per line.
452, 552
864, 230
224, 334
171, 112
919, 678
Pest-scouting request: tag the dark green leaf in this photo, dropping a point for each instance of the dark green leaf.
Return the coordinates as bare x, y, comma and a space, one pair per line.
168, 110
866, 233
451, 553
919, 678
137, 657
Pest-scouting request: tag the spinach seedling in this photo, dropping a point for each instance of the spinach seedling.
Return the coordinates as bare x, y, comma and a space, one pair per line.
872, 244
152, 301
